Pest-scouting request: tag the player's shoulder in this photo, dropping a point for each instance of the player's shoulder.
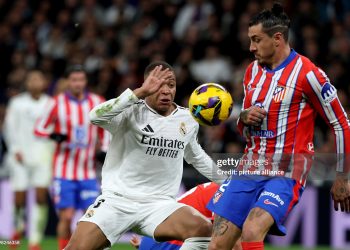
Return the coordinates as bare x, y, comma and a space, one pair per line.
19, 99
185, 114
307, 64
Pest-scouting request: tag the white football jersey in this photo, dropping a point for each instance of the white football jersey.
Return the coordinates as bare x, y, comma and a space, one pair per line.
145, 156
21, 116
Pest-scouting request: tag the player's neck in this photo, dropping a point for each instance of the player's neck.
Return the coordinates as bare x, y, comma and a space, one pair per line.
35, 95
79, 96
280, 57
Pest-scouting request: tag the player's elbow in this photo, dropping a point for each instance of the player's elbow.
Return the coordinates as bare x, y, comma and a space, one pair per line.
93, 117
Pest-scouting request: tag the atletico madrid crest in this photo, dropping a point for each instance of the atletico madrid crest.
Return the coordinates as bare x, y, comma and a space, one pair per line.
217, 196
279, 93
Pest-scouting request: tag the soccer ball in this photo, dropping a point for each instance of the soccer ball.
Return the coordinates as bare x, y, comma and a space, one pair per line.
210, 104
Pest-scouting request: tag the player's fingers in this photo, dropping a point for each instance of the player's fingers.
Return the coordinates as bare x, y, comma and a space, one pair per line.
258, 115
335, 204
162, 73
156, 70
342, 205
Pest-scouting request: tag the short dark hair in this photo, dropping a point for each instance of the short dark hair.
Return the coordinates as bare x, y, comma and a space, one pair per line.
274, 20
74, 68
152, 65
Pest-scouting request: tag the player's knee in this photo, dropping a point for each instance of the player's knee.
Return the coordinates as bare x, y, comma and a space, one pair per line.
216, 245
202, 228
251, 232
66, 216
75, 244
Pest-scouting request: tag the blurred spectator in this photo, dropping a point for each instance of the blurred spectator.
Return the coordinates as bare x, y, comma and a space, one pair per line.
194, 12
212, 68
119, 13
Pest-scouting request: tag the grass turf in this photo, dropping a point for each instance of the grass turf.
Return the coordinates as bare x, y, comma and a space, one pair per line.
51, 244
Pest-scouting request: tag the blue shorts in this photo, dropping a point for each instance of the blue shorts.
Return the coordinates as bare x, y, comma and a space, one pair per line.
147, 243
236, 197
75, 194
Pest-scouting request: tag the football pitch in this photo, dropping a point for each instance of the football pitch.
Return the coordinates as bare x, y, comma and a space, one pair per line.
51, 244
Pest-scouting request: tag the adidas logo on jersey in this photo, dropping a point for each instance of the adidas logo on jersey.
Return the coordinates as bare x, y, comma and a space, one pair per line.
148, 128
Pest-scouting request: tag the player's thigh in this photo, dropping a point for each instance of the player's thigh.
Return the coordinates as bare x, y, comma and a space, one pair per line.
19, 175
88, 191
41, 195
234, 199
113, 215
64, 193
41, 176
87, 236
278, 197
257, 224
225, 234
185, 222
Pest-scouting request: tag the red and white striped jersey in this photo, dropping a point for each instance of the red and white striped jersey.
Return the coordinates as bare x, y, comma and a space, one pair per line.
292, 94
74, 159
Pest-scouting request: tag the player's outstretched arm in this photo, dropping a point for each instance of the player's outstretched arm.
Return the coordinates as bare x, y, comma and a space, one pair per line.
200, 160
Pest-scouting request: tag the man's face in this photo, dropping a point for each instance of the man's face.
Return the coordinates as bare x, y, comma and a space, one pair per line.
261, 44
35, 83
162, 100
77, 82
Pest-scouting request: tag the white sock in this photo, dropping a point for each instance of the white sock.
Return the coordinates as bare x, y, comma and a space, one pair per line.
196, 243
19, 219
38, 224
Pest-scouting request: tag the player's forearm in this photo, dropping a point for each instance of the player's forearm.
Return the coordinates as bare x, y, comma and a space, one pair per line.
105, 112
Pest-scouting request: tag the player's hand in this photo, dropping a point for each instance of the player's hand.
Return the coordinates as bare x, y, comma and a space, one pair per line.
340, 193
153, 82
57, 137
19, 157
135, 241
100, 156
253, 116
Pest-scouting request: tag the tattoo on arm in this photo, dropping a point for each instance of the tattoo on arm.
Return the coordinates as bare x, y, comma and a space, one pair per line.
220, 226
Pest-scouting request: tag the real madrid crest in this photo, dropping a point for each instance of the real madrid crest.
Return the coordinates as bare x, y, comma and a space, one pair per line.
183, 129
89, 213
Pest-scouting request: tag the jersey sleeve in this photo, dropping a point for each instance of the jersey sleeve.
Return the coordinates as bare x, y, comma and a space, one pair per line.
10, 126
113, 113
199, 159
323, 97
48, 118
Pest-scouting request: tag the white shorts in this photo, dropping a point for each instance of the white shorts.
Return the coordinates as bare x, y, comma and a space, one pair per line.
115, 215
23, 177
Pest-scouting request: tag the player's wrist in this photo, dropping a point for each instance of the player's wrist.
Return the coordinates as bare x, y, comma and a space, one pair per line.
140, 93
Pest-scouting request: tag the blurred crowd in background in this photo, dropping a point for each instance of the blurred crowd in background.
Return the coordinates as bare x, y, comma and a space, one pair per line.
205, 41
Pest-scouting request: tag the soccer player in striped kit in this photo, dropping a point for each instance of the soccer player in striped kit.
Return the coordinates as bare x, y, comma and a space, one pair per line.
75, 185
283, 93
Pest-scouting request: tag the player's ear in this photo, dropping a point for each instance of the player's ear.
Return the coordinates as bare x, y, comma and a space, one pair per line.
278, 38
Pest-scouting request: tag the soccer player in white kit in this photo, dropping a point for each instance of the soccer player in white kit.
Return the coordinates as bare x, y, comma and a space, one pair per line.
29, 157
143, 168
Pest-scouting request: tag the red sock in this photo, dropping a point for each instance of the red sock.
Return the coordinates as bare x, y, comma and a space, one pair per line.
62, 243
253, 245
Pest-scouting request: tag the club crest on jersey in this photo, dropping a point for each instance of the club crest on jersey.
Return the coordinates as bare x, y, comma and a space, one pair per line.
89, 214
183, 129
279, 93
217, 197
328, 92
